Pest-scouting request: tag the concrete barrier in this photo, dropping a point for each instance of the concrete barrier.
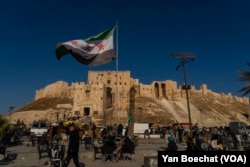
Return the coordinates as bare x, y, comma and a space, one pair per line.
151, 161
152, 136
151, 141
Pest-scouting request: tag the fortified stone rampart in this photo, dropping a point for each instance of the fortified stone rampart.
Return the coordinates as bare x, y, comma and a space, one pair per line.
146, 90
58, 89
108, 92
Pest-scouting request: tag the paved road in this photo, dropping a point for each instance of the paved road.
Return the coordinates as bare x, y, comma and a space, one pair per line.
27, 155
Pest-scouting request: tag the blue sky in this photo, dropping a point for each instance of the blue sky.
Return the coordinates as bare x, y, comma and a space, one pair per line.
216, 31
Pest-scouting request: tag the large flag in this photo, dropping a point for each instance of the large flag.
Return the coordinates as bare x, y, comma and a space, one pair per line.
93, 51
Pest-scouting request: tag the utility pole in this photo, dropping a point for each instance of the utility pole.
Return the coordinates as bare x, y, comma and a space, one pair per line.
131, 112
185, 58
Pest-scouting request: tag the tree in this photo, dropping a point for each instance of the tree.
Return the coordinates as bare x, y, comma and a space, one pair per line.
245, 78
4, 126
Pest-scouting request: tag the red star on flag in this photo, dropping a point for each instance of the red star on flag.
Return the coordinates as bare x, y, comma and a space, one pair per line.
87, 47
74, 43
100, 46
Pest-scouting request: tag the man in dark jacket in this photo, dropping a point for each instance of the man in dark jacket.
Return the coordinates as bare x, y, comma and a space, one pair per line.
191, 144
172, 146
73, 147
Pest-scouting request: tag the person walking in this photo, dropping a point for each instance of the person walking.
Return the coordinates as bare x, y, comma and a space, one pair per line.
172, 146
198, 143
237, 134
191, 145
73, 147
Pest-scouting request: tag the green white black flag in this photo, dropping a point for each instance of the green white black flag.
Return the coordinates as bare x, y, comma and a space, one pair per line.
93, 51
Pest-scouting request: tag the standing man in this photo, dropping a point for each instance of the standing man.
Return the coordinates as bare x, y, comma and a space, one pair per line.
237, 134
94, 132
73, 147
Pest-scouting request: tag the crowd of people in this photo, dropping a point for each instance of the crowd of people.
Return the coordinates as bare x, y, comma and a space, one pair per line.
75, 136
215, 138
204, 139
14, 133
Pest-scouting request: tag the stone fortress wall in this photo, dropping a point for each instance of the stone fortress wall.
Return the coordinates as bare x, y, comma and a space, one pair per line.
99, 94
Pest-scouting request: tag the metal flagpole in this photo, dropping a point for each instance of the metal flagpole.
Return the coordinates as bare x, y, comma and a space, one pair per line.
117, 77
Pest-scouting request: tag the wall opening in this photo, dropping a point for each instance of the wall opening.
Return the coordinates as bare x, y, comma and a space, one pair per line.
86, 111
156, 90
109, 97
163, 88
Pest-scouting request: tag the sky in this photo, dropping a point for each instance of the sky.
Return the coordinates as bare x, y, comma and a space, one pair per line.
216, 31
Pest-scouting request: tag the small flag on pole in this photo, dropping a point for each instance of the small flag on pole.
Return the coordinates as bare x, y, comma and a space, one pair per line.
93, 51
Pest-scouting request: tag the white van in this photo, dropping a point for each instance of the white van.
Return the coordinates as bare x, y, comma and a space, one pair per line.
139, 128
38, 129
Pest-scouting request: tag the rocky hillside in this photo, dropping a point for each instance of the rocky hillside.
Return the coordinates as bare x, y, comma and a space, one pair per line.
45, 104
209, 111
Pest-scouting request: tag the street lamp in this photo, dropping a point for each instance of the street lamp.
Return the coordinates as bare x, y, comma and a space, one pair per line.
185, 58
10, 110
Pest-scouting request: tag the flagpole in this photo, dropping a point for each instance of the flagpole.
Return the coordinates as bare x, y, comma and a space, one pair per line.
117, 78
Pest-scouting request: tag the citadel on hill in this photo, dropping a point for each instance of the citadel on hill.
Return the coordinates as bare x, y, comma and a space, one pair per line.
106, 98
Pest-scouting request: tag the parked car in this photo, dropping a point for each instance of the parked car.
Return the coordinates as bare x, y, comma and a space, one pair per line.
38, 129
